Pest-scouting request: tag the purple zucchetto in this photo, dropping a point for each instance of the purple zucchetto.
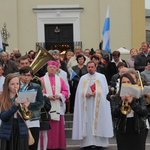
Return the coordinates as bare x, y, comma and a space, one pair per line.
53, 62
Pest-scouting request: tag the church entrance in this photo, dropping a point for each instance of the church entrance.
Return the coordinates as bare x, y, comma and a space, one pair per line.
59, 36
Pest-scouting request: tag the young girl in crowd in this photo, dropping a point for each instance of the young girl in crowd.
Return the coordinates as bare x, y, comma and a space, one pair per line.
13, 131
130, 128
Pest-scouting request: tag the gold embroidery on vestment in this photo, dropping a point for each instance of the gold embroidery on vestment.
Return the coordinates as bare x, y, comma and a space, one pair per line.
83, 92
97, 108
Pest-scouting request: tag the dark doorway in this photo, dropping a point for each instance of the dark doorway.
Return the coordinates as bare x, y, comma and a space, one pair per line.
59, 36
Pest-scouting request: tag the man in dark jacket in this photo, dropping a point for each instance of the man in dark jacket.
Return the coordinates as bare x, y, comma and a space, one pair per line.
8, 65
141, 59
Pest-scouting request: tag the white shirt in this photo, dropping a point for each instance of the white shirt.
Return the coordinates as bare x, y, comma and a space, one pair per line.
2, 79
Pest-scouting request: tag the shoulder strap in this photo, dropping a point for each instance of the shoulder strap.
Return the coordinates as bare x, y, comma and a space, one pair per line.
22, 118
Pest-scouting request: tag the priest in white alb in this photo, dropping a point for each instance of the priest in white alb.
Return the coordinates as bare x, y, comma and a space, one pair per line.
92, 122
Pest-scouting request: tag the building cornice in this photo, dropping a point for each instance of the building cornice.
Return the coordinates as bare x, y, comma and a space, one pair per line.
63, 9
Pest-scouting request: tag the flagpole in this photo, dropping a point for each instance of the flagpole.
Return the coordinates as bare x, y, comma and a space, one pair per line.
110, 56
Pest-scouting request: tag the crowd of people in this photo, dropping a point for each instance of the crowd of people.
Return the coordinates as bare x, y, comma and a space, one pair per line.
87, 83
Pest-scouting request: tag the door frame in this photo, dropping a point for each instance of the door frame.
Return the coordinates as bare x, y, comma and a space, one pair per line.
58, 14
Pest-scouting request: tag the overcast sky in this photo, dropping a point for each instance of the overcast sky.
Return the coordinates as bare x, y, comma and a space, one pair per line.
147, 4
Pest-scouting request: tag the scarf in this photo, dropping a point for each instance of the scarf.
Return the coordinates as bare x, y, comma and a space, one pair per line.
55, 110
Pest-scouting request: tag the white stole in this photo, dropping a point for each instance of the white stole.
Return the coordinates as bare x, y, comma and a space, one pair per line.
55, 109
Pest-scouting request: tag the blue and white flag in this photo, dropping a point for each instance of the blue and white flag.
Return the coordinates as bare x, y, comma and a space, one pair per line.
1, 44
106, 34
72, 74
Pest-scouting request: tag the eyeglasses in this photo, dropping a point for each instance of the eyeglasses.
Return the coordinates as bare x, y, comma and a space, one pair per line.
115, 55
26, 63
26, 75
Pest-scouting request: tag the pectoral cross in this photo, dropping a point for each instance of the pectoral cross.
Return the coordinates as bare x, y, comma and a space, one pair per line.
53, 87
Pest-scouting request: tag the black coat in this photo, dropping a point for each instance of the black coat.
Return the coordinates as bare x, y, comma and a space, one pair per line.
111, 70
140, 114
101, 69
80, 73
9, 67
141, 61
45, 110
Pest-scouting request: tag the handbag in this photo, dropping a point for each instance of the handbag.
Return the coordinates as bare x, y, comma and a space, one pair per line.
31, 140
44, 113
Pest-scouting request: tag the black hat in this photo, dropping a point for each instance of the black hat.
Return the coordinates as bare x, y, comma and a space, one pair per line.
92, 51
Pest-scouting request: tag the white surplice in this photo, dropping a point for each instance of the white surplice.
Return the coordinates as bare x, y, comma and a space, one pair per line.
92, 122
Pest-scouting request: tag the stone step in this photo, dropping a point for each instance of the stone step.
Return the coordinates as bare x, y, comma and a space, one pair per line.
68, 124
68, 132
72, 143
68, 117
